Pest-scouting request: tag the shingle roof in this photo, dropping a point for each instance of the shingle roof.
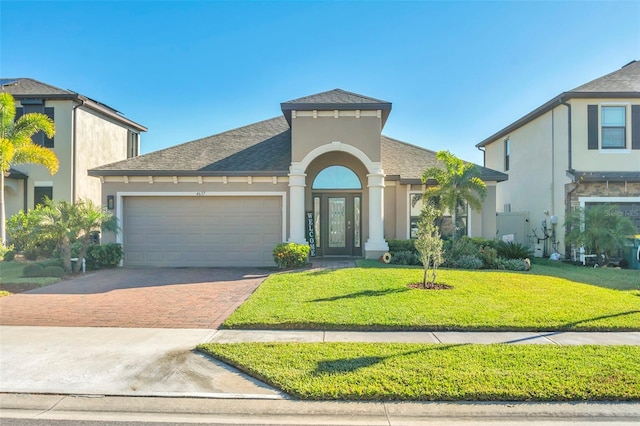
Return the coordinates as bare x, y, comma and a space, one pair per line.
336, 99
623, 83
263, 148
626, 79
21, 88
259, 148
336, 96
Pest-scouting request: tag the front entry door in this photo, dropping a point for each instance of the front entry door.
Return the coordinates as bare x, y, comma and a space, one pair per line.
340, 225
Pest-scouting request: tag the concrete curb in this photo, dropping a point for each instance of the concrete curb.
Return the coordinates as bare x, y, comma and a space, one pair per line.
221, 411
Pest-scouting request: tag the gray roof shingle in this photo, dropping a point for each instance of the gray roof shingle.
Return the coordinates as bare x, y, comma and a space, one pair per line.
21, 88
623, 83
262, 148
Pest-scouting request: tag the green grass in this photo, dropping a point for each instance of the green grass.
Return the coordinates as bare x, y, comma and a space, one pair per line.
11, 280
618, 279
359, 371
378, 298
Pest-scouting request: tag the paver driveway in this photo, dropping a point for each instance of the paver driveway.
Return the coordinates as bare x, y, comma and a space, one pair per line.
136, 298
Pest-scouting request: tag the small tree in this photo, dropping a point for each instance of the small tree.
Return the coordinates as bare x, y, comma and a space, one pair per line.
601, 229
429, 243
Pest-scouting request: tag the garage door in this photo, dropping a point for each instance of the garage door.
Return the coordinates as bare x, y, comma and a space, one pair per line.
201, 231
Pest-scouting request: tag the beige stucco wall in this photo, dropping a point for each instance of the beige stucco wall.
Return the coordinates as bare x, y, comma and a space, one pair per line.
99, 141
585, 159
308, 133
14, 201
538, 169
40, 176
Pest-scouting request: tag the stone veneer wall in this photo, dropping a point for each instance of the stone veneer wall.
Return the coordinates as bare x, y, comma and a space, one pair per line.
602, 189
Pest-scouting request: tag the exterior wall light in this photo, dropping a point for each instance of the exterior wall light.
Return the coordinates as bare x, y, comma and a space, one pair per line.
110, 202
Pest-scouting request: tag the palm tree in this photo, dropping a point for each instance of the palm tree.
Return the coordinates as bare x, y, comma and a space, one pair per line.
66, 223
16, 146
457, 183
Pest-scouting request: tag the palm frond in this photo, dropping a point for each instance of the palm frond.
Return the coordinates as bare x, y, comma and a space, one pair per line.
36, 154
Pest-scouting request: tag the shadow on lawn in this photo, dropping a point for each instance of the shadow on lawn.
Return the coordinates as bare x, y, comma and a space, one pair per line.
349, 365
365, 293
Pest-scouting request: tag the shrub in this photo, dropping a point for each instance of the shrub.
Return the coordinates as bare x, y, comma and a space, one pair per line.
50, 262
511, 264
9, 255
488, 256
32, 270
405, 258
468, 261
454, 250
402, 245
104, 256
483, 242
53, 271
290, 255
512, 250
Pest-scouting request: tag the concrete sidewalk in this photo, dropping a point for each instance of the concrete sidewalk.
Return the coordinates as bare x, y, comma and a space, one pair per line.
281, 412
445, 337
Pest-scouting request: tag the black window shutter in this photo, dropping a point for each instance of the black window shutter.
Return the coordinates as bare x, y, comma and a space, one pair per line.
592, 126
635, 126
48, 142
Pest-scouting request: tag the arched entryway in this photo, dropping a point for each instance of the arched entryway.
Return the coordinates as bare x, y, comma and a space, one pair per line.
336, 194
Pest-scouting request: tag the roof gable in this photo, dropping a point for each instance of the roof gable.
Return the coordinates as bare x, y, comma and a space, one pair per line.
336, 99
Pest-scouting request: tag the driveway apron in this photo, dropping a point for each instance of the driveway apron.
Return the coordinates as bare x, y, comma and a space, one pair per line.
136, 298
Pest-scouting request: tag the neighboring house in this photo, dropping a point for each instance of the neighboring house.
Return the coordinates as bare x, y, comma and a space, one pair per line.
321, 173
88, 134
580, 148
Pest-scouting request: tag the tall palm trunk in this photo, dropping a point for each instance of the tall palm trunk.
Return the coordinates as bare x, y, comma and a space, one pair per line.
3, 215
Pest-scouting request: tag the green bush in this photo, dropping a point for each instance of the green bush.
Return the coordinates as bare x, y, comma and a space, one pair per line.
32, 270
489, 257
512, 250
53, 271
50, 262
405, 258
9, 255
483, 242
468, 261
101, 256
454, 250
402, 245
290, 255
511, 264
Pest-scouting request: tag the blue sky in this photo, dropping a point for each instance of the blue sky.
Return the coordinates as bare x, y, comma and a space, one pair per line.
456, 72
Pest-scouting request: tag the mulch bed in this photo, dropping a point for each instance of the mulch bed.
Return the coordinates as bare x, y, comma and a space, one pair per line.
431, 286
18, 288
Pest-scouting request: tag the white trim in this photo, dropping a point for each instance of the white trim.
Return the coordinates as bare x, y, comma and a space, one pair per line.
121, 195
43, 183
373, 167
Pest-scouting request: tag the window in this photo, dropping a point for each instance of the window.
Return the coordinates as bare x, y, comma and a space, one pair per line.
132, 144
336, 177
415, 207
507, 152
613, 127
37, 106
40, 193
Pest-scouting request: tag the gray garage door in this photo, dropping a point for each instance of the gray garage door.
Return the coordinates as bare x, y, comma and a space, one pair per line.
201, 231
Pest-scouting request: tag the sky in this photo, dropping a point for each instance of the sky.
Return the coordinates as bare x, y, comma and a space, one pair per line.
456, 72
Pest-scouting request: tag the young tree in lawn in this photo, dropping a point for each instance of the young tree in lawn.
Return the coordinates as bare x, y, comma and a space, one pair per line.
429, 244
601, 229
16, 146
457, 184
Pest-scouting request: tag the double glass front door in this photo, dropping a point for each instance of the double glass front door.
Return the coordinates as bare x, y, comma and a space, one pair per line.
337, 219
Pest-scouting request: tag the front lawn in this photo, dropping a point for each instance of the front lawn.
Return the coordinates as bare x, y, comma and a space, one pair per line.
360, 371
378, 298
12, 281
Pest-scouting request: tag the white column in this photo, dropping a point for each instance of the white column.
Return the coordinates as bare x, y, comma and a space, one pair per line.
297, 183
376, 244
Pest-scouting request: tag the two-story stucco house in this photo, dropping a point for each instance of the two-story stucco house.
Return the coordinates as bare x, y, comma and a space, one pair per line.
321, 173
580, 148
88, 134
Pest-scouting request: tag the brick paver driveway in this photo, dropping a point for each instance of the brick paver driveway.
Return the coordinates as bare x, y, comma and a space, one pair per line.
136, 298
